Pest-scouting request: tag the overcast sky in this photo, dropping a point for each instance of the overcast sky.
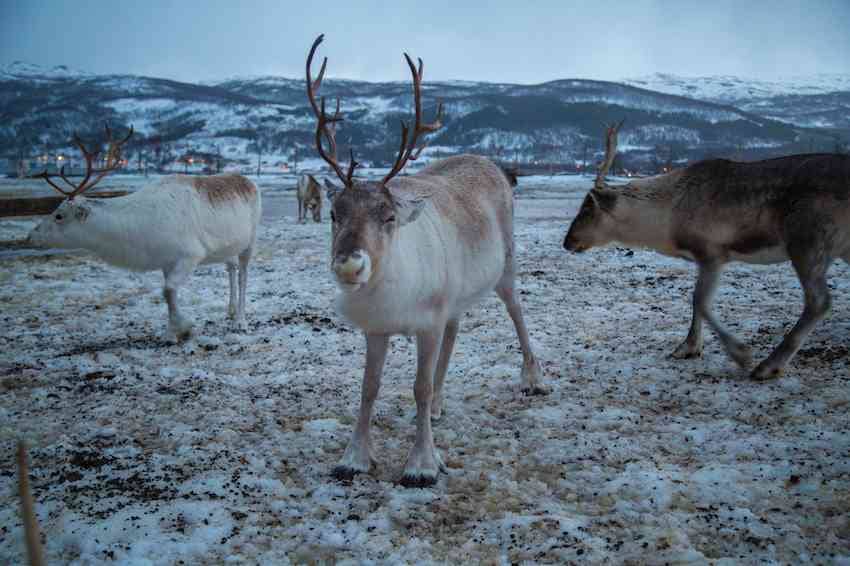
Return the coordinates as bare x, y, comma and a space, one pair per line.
522, 41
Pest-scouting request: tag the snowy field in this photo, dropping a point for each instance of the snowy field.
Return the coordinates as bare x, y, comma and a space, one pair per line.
220, 450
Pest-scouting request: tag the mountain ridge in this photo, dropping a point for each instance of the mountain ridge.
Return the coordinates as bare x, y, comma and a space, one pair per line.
557, 121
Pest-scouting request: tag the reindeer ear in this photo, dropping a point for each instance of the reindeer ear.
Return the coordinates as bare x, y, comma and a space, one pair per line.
408, 207
332, 190
604, 200
81, 212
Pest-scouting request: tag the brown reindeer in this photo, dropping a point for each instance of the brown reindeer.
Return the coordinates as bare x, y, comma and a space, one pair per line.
713, 212
410, 255
309, 194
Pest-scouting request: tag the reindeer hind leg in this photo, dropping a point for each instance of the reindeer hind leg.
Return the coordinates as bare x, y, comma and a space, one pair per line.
442, 367
530, 375
244, 261
232, 269
811, 262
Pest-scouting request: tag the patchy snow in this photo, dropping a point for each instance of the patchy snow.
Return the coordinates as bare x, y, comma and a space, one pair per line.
220, 449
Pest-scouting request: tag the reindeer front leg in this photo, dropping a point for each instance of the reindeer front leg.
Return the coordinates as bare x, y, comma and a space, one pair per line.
178, 327
709, 274
424, 462
358, 457
692, 346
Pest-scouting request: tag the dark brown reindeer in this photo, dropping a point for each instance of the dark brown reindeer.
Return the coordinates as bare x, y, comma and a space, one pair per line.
713, 212
410, 255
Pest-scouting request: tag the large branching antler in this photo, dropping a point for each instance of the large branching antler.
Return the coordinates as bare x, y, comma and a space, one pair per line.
113, 162
610, 153
408, 151
326, 125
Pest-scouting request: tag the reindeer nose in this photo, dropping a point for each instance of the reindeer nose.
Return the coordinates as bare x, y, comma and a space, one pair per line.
349, 265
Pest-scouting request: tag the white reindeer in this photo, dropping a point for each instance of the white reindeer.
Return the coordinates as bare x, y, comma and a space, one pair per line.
410, 255
173, 225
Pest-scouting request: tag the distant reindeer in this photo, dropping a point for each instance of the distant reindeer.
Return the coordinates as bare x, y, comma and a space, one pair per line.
173, 225
410, 255
309, 194
791, 208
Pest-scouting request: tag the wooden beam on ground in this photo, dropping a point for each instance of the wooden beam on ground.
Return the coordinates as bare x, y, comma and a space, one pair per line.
37, 206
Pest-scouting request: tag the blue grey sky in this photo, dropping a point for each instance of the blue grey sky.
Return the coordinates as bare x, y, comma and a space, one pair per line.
508, 41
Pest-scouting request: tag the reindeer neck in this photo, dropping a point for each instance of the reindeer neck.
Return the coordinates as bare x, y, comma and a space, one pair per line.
644, 218
111, 229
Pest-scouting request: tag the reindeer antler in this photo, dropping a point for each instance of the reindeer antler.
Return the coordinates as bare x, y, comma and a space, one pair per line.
32, 535
610, 153
326, 125
113, 162
409, 152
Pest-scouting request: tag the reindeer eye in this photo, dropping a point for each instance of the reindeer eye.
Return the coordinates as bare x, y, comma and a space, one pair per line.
390, 219
333, 216
58, 217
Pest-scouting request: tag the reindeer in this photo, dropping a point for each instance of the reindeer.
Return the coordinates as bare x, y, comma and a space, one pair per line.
410, 255
173, 225
713, 212
309, 194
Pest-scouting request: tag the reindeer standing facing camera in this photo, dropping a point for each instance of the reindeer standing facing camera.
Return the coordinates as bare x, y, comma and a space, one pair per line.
410, 255
172, 226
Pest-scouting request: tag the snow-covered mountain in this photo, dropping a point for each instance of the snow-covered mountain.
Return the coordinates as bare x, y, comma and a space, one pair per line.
731, 89
559, 121
27, 71
815, 101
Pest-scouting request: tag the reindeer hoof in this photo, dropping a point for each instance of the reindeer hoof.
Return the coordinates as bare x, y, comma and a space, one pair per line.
537, 389
765, 372
436, 412
418, 480
345, 473
686, 351
741, 354
178, 335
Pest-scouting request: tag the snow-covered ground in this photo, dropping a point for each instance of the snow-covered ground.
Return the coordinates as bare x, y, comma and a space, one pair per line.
220, 450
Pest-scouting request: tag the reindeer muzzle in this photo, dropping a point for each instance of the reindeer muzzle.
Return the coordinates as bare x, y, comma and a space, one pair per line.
572, 245
353, 270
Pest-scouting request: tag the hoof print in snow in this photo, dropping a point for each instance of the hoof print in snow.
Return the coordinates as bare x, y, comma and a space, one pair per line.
418, 480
